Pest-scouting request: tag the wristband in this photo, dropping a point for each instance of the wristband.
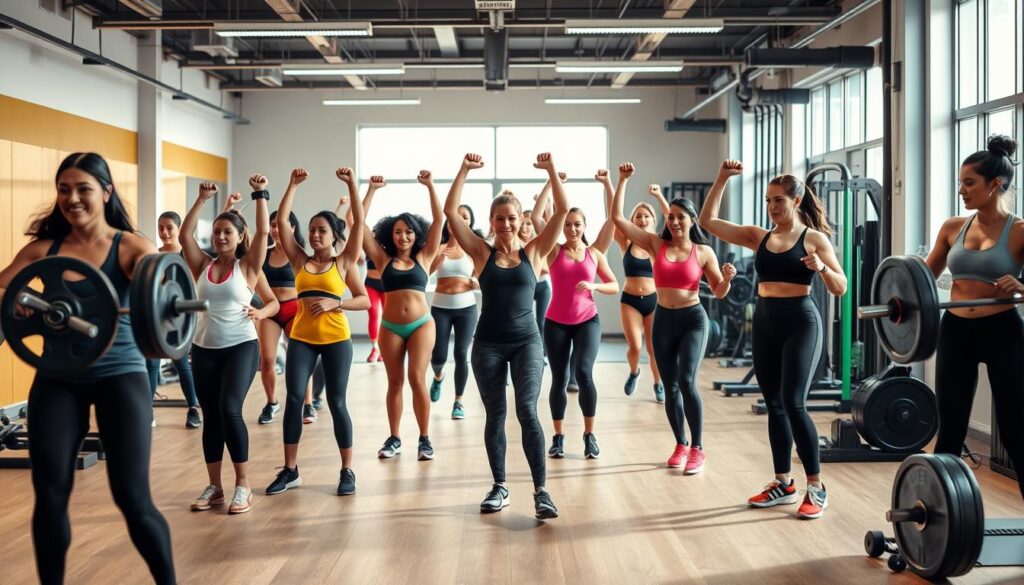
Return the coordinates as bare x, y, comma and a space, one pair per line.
260, 195
824, 268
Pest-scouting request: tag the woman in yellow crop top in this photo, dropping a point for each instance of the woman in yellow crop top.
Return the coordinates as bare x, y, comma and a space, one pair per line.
320, 328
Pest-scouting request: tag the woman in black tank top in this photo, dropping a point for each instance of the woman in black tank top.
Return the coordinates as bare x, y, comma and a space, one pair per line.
89, 222
506, 335
787, 332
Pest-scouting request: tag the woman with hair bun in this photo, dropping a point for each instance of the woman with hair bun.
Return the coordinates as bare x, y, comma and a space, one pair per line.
225, 353
404, 246
985, 254
787, 334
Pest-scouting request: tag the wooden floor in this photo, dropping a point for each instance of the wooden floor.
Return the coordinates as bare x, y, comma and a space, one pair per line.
625, 518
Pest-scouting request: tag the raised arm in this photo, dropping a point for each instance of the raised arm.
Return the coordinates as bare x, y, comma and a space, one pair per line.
642, 238
429, 251
541, 212
655, 191
608, 231
374, 251
195, 257
542, 245
232, 200
748, 236
354, 242
252, 264
609, 203
719, 279
296, 255
343, 203
474, 245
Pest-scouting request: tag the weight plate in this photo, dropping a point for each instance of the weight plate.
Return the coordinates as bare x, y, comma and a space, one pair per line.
92, 298
935, 548
714, 337
972, 514
161, 331
741, 292
896, 414
910, 334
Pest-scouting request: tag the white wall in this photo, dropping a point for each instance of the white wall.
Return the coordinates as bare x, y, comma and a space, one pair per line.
291, 129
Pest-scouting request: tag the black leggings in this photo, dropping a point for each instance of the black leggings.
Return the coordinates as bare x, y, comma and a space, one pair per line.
541, 300
464, 322
184, 369
59, 419
337, 360
491, 363
584, 339
998, 342
679, 337
787, 341
223, 377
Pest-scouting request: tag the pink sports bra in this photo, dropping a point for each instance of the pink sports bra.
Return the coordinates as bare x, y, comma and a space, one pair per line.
570, 306
683, 275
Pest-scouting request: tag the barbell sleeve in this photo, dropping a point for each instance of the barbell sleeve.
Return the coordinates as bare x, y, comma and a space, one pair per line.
75, 323
1015, 300
916, 514
82, 326
874, 311
33, 302
193, 306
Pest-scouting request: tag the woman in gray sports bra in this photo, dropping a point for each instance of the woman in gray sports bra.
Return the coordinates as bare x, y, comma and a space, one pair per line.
985, 254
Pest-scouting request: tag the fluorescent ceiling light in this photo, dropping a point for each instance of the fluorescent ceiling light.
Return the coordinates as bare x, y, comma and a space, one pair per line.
568, 101
444, 65
353, 69
619, 66
670, 26
371, 102
293, 29
531, 65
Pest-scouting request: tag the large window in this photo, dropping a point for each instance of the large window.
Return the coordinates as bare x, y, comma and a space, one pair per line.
399, 153
990, 88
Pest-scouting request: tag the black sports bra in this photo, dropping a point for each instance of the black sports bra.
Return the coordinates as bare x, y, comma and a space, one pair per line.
633, 266
394, 279
785, 266
279, 276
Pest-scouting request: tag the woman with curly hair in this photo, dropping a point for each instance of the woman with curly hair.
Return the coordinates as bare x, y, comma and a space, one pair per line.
404, 245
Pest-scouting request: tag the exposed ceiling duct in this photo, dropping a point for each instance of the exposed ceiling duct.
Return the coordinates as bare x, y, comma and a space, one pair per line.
857, 57
496, 59
147, 8
716, 125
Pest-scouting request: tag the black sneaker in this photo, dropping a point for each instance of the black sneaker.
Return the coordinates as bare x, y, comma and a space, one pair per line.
557, 450
308, 414
545, 508
192, 420
318, 404
425, 449
630, 386
267, 416
590, 448
347, 484
572, 387
392, 446
496, 499
286, 479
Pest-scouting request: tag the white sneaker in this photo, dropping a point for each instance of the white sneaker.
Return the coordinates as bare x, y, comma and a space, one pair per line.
241, 502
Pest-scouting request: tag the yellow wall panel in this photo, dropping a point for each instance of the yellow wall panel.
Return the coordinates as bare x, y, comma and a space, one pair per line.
7, 358
28, 188
25, 122
175, 192
194, 163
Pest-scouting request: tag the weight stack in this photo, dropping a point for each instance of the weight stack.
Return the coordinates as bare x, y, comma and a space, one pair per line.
1000, 461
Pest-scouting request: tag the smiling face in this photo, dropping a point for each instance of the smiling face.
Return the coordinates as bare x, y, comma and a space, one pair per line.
225, 237
320, 235
80, 197
678, 222
643, 219
506, 221
403, 236
574, 227
974, 190
168, 231
781, 207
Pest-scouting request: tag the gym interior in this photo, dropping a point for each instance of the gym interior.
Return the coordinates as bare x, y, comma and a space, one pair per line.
872, 105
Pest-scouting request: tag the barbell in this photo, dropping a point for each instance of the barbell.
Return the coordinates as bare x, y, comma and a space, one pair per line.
905, 308
77, 318
939, 522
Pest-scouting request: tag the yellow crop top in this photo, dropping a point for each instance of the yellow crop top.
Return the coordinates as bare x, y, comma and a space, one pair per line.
327, 327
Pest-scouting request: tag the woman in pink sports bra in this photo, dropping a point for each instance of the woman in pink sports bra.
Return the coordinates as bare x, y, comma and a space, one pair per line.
572, 326
680, 257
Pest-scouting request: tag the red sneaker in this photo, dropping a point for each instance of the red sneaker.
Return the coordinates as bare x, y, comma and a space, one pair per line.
374, 356
774, 494
694, 461
815, 502
678, 458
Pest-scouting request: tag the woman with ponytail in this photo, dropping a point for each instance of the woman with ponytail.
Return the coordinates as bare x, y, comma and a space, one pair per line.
985, 254
787, 334
225, 353
681, 256
88, 222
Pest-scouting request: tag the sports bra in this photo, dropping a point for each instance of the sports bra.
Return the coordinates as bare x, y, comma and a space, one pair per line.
278, 276
987, 265
394, 279
456, 267
636, 267
787, 266
683, 275
330, 327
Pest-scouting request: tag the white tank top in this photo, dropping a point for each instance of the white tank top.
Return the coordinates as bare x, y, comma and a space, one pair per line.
226, 323
461, 267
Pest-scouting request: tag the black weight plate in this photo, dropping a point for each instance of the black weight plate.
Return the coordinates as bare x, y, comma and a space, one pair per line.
972, 516
160, 331
896, 414
741, 292
93, 298
927, 548
714, 337
910, 336
874, 543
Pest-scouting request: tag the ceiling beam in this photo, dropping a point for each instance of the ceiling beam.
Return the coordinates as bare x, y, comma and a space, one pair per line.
647, 44
288, 10
464, 84
447, 41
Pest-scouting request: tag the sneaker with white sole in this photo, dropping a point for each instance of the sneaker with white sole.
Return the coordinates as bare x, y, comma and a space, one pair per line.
211, 496
286, 479
814, 504
392, 446
496, 499
241, 502
458, 411
425, 451
774, 494
267, 415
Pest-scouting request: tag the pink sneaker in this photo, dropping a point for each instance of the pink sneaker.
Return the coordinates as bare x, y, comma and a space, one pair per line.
695, 461
678, 458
